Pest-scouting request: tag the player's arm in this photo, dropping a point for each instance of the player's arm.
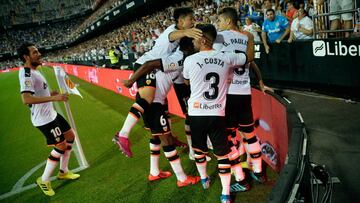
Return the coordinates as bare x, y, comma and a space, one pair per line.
146, 68
250, 46
258, 76
187, 82
178, 34
29, 98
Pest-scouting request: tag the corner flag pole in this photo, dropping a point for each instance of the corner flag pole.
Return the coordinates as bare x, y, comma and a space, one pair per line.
79, 153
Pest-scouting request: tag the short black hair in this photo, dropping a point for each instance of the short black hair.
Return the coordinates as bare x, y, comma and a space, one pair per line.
231, 13
182, 11
270, 9
208, 30
24, 50
186, 44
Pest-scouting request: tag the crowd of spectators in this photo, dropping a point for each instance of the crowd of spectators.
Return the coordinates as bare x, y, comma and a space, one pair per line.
138, 36
43, 36
13, 12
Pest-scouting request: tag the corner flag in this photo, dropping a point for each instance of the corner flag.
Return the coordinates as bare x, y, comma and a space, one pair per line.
65, 84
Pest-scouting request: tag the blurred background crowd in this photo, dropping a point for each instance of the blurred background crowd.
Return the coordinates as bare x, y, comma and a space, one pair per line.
138, 36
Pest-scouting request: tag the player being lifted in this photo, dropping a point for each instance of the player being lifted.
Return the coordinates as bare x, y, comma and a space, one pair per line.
238, 107
166, 44
35, 93
208, 72
157, 120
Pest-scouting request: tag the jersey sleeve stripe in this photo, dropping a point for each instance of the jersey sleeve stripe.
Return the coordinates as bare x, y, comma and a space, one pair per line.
27, 91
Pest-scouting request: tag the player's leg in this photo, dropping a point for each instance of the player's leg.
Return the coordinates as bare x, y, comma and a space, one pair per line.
183, 93
251, 142
54, 137
155, 172
222, 151
144, 97
232, 118
65, 129
198, 141
160, 126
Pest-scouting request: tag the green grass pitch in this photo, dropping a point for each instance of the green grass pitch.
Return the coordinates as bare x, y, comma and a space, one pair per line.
111, 176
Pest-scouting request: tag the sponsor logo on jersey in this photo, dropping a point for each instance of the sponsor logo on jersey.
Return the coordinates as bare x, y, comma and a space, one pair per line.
239, 82
198, 105
27, 83
172, 66
334, 48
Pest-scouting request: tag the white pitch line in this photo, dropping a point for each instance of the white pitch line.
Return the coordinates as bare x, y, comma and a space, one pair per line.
22, 180
22, 189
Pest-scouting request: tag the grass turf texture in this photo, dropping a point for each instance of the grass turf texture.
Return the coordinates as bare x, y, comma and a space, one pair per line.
111, 176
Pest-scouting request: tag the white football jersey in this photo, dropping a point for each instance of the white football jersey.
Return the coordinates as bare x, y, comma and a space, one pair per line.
172, 69
208, 72
33, 82
163, 47
234, 41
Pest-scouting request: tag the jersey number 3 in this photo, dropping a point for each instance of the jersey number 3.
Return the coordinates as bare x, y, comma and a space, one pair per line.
213, 92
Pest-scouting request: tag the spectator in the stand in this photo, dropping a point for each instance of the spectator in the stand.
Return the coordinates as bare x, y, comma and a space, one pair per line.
274, 29
266, 6
113, 56
302, 27
253, 28
291, 12
339, 5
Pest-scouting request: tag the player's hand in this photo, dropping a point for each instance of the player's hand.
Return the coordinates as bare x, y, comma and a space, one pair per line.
193, 33
269, 89
128, 83
290, 40
61, 97
278, 41
54, 92
267, 48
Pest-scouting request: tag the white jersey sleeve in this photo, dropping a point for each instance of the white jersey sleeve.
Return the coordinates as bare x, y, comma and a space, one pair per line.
172, 68
26, 81
162, 47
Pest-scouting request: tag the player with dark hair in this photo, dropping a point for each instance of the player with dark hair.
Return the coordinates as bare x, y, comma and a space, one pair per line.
207, 72
238, 107
169, 69
166, 44
35, 93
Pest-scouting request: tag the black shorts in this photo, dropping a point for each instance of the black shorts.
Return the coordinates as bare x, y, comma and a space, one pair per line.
54, 131
212, 126
238, 111
157, 120
183, 94
148, 80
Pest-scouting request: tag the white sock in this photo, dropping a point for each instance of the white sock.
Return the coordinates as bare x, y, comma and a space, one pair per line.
201, 167
129, 123
154, 159
51, 164
176, 164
